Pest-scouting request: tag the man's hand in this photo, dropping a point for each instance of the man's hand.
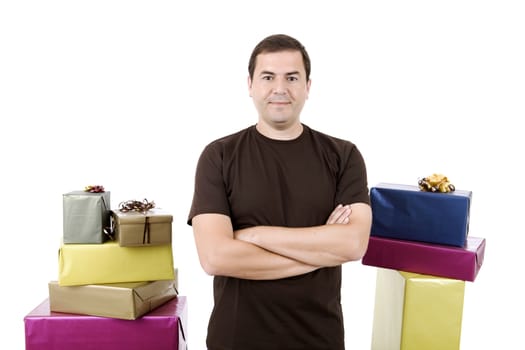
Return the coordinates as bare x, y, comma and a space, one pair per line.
340, 215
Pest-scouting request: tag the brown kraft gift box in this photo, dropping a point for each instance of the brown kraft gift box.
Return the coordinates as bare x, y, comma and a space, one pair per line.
133, 228
126, 301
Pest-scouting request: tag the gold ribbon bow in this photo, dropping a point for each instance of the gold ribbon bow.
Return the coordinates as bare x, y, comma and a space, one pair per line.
94, 189
435, 183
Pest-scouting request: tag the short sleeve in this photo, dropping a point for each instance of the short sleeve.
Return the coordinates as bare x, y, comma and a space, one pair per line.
352, 181
209, 192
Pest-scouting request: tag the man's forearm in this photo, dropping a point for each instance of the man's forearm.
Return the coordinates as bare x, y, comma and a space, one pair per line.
257, 263
325, 245
303, 244
221, 254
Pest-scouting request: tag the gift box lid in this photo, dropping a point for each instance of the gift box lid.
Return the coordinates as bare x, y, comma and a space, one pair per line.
85, 193
134, 217
413, 188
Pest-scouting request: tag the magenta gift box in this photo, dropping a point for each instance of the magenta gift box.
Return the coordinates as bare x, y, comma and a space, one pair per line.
461, 263
160, 329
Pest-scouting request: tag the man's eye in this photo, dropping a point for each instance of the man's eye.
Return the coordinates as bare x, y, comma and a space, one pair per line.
292, 79
267, 77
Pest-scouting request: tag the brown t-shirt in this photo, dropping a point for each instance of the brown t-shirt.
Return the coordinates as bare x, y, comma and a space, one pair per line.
260, 181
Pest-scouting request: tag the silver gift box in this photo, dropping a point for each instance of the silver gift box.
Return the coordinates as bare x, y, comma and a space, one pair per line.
86, 215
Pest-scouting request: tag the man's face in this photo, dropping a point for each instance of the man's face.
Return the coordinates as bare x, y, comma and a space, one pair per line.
279, 88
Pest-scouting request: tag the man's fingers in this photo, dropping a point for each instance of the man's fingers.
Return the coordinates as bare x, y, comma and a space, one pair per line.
340, 215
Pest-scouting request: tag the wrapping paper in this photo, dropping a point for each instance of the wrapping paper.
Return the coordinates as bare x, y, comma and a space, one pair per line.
407, 213
85, 215
118, 300
137, 229
461, 263
81, 264
415, 311
161, 329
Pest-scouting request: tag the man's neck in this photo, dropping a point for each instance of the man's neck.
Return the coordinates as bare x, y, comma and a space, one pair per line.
277, 132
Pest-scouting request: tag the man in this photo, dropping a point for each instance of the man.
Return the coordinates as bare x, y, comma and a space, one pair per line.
277, 208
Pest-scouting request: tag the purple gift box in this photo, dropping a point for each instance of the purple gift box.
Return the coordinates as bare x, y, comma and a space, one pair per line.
461, 263
160, 329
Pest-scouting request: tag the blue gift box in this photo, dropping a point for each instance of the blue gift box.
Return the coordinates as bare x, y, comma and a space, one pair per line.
405, 212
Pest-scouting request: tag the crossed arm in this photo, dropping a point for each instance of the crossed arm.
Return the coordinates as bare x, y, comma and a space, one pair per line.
271, 252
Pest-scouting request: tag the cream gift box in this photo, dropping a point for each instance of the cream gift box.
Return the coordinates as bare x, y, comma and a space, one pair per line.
414, 311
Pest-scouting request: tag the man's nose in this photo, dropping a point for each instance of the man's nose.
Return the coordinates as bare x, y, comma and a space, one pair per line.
280, 86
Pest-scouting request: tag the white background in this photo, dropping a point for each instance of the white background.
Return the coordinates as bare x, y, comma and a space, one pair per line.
125, 94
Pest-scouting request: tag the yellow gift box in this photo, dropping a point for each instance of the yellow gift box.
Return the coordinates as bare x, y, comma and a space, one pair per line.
81, 264
414, 311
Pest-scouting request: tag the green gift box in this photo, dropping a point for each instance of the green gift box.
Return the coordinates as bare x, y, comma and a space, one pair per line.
85, 216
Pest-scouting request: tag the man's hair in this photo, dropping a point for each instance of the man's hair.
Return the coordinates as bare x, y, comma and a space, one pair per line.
277, 43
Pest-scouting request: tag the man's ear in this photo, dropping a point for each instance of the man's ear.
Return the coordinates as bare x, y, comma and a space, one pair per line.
308, 88
249, 81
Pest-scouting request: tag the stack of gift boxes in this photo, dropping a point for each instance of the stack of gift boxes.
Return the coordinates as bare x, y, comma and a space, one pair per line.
117, 284
423, 252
